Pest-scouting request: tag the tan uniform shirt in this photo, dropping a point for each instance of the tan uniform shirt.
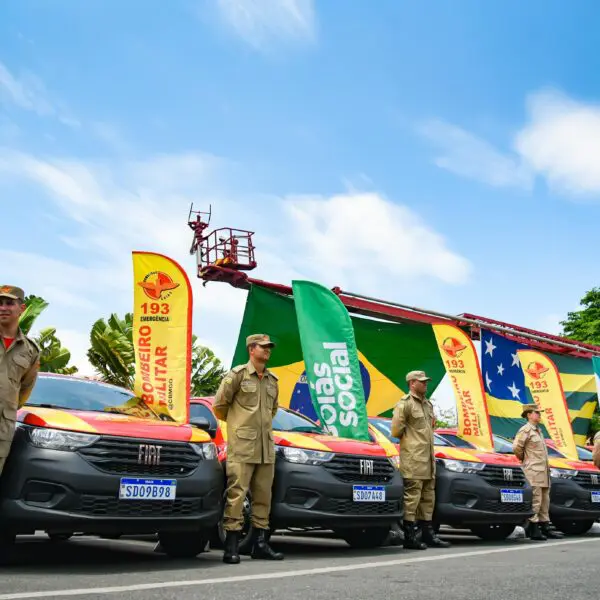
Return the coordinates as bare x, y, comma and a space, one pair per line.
596, 451
530, 448
19, 367
248, 403
412, 423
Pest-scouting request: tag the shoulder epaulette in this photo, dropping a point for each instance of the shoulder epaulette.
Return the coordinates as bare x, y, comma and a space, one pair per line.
272, 375
238, 369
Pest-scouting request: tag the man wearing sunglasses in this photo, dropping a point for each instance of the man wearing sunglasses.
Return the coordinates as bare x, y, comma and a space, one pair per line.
19, 365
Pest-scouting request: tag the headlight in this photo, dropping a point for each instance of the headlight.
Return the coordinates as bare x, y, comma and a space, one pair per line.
208, 451
55, 439
304, 457
395, 460
461, 466
563, 473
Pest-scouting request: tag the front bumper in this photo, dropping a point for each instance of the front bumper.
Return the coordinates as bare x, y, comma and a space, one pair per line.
464, 499
312, 496
60, 491
569, 500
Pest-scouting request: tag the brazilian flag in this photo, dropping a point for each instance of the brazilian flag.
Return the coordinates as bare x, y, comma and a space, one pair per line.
507, 394
386, 351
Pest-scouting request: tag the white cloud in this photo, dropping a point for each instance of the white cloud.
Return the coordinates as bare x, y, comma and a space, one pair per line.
561, 142
365, 238
362, 241
28, 92
467, 155
260, 22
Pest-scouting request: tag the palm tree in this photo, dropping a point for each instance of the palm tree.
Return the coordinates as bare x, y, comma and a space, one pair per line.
34, 307
54, 358
111, 350
207, 371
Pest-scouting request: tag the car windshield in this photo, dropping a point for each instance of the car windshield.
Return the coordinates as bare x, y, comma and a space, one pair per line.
502, 446
384, 426
457, 442
79, 394
286, 420
584, 453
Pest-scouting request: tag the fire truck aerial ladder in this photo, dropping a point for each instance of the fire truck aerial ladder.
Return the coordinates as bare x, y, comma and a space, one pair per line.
227, 254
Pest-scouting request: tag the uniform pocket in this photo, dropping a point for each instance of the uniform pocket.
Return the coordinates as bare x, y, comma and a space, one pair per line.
18, 365
248, 394
245, 443
271, 395
8, 423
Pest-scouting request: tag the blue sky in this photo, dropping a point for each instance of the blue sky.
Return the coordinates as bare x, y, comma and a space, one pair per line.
440, 154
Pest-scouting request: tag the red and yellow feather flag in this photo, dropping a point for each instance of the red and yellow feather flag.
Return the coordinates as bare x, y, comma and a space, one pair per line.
543, 380
162, 335
462, 365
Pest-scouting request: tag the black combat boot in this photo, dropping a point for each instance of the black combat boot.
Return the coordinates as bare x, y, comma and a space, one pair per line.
550, 532
410, 537
534, 532
261, 549
231, 556
430, 537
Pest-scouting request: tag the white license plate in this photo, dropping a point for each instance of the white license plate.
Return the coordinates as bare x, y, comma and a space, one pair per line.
368, 493
147, 489
511, 496
596, 497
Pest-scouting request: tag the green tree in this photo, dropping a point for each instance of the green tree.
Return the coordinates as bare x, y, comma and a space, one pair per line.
111, 350
54, 358
34, 307
207, 370
584, 325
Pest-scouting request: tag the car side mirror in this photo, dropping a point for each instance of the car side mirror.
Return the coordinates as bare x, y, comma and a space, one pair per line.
204, 424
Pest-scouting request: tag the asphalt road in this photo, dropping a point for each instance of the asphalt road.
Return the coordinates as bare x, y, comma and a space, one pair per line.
317, 568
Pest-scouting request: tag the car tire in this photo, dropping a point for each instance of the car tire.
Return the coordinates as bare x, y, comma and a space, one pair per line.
365, 537
177, 544
494, 532
569, 527
217, 535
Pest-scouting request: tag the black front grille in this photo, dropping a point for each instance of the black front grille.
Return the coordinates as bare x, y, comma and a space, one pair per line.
503, 476
122, 455
506, 507
348, 468
100, 506
349, 507
589, 481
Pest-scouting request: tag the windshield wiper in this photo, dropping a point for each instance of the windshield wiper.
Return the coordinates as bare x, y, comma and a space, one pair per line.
304, 430
55, 406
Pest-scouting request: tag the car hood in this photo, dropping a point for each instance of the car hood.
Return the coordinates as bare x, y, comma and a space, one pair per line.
450, 452
577, 465
324, 443
110, 424
327, 443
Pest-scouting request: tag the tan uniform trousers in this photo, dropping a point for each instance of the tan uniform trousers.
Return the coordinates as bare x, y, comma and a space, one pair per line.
419, 499
540, 505
244, 477
2, 461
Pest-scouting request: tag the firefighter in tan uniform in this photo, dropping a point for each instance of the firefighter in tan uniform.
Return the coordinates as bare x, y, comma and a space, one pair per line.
596, 451
19, 365
413, 423
247, 400
530, 448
